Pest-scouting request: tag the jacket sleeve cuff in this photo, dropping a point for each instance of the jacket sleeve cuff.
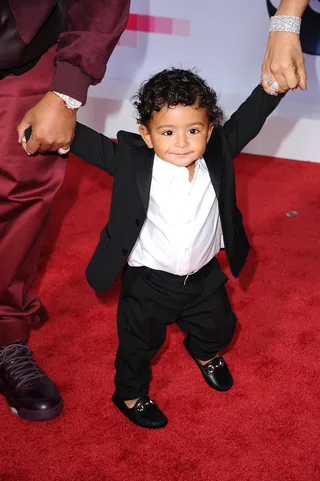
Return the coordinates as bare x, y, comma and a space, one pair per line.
70, 80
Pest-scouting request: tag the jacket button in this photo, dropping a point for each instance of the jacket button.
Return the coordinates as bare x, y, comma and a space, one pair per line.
124, 252
138, 222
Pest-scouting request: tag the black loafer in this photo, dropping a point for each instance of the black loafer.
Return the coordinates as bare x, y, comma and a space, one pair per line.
30, 393
145, 412
215, 372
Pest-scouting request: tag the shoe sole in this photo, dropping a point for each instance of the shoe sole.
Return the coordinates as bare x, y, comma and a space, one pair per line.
37, 416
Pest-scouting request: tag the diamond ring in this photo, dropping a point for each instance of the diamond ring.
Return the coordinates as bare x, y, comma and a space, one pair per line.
273, 87
62, 151
273, 84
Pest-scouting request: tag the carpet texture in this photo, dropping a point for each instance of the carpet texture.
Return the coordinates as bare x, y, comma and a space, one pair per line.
266, 428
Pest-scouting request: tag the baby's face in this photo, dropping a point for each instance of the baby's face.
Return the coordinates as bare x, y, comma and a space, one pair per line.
178, 135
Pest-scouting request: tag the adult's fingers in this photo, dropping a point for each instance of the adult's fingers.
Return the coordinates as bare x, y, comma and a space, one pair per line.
292, 78
265, 85
301, 72
34, 144
278, 75
271, 85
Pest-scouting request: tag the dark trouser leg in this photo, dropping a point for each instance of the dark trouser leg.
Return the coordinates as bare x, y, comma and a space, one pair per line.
208, 318
151, 299
27, 188
141, 333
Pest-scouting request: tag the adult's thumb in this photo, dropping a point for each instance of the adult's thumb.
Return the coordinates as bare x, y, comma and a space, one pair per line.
303, 78
22, 127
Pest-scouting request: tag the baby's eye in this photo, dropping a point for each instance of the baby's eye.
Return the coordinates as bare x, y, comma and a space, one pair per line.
194, 131
167, 132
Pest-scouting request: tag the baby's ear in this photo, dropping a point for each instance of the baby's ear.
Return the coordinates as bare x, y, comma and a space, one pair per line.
211, 127
145, 134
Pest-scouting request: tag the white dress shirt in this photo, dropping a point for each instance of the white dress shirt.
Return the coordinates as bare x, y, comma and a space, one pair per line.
182, 231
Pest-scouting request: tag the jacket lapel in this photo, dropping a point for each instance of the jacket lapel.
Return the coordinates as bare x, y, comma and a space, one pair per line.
213, 157
142, 159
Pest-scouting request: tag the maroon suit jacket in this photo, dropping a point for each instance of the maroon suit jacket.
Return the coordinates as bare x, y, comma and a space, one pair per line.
92, 30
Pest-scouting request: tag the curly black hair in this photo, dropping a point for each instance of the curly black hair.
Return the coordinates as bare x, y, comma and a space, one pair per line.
173, 87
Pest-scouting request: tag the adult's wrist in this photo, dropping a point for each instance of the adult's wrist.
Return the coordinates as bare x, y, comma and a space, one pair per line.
285, 23
292, 7
70, 102
70, 80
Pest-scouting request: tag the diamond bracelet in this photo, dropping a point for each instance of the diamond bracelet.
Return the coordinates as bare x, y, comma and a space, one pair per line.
285, 23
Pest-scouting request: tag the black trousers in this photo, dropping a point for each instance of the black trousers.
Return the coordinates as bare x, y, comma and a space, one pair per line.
151, 299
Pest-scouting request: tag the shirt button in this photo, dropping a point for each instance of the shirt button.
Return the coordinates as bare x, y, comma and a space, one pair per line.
188, 221
187, 248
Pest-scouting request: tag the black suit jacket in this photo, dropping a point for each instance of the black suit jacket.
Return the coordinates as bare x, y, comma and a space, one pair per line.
130, 162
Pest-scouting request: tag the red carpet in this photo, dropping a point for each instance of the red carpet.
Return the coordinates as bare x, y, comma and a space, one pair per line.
265, 429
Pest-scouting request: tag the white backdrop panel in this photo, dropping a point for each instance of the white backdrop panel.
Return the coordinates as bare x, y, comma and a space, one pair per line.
226, 45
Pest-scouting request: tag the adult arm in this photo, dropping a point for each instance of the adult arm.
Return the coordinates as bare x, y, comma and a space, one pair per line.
91, 33
284, 57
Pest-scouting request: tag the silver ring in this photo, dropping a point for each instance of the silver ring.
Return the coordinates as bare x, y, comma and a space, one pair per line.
273, 87
273, 84
62, 151
268, 79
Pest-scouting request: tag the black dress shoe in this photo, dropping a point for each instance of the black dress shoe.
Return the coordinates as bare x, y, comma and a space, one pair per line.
215, 372
145, 412
29, 391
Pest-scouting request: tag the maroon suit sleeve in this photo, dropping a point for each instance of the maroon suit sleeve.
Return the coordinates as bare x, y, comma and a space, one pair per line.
93, 28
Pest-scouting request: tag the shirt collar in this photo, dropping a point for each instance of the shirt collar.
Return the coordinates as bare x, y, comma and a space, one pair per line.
202, 163
165, 172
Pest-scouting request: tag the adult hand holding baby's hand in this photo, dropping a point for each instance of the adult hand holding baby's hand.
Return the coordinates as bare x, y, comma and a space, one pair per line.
53, 126
284, 61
